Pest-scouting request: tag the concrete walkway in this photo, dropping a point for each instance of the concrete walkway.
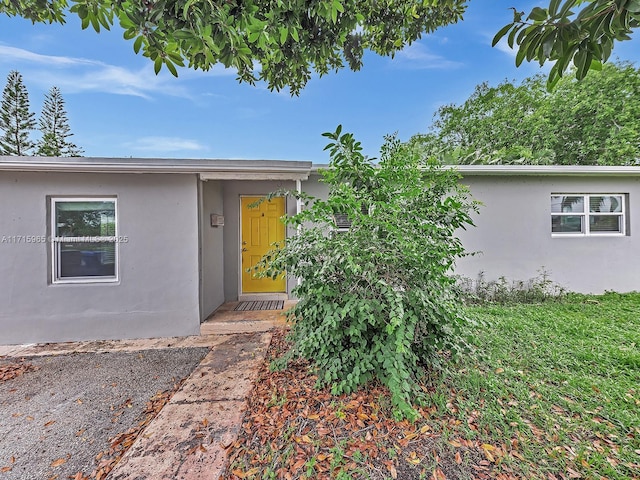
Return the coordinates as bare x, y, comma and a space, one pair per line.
226, 320
136, 345
187, 439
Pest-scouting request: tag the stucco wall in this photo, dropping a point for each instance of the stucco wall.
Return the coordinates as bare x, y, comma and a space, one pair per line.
315, 187
232, 192
157, 292
212, 248
513, 233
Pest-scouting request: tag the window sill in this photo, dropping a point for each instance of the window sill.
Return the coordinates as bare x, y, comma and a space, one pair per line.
585, 235
86, 281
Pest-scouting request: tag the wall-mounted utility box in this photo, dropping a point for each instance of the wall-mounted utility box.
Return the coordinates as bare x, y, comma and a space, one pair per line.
217, 220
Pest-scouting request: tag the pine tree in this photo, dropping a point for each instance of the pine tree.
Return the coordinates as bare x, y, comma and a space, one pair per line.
16, 121
54, 127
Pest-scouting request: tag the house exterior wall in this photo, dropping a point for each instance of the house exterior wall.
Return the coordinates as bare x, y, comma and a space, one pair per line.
513, 234
315, 187
211, 248
175, 269
157, 291
233, 190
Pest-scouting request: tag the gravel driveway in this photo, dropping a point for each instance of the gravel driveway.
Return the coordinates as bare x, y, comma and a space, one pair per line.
55, 420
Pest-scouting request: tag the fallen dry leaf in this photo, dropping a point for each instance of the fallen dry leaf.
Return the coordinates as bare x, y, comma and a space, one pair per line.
240, 474
13, 370
438, 474
298, 465
413, 458
58, 462
573, 474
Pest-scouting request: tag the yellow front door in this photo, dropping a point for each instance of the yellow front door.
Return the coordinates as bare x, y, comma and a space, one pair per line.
261, 227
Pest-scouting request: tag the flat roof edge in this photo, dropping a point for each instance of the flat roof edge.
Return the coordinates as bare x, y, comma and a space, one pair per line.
126, 165
534, 170
543, 170
205, 166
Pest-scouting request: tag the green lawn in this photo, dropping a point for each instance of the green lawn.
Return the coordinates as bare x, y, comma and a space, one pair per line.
552, 391
559, 381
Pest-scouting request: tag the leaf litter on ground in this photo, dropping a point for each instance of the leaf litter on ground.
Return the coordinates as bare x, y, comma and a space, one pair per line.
15, 368
294, 431
551, 392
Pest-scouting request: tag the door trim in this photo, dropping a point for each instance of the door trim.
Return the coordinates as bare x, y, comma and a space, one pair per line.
248, 297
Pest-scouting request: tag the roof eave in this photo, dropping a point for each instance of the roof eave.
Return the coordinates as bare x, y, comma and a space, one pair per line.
546, 170
533, 170
208, 168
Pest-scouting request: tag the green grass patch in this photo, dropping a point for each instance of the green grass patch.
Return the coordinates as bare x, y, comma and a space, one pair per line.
558, 383
551, 391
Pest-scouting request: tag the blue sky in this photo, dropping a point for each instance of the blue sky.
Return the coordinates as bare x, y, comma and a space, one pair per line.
118, 107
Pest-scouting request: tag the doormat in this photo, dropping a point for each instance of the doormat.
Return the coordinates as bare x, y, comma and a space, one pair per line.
260, 305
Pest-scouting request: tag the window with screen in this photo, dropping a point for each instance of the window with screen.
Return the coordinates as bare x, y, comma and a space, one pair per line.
588, 214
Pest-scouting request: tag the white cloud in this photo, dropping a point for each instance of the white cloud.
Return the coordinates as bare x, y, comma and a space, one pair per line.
418, 56
75, 75
504, 47
14, 54
165, 144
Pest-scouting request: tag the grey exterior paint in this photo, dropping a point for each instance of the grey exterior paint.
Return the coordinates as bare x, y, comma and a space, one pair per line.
232, 192
157, 294
220, 246
176, 269
211, 248
512, 236
513, 233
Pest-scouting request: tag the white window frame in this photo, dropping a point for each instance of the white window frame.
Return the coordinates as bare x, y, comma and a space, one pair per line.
586, 214
56, 242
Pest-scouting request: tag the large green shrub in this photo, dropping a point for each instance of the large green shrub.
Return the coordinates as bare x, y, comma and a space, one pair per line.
376, 301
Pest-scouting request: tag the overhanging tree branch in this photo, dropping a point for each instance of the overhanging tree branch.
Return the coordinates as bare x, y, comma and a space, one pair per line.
284, 42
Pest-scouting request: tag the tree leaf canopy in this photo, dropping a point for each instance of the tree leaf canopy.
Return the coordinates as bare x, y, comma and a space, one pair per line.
282, 42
